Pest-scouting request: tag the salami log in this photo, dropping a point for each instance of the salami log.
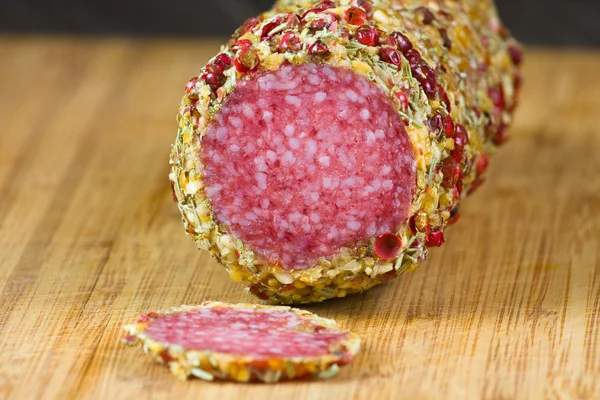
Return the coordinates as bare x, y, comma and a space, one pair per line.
328, 145
244, 342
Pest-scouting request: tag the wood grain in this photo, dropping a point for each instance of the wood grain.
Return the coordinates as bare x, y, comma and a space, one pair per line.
90, 239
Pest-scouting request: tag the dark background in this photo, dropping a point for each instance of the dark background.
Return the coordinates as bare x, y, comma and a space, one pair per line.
541, 22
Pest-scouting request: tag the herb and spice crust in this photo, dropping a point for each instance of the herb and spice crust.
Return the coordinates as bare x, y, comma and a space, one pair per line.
209, 364
450, 68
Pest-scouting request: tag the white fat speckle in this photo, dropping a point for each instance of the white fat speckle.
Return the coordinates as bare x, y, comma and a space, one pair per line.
350, 182
320, 97
288, 157
293, 100
354, 225
261, 180
343, 113
235, 121
352, 95
259, 164
324, 161
248, 111
294, 143
314, 80
289, 130
311, 147
271, 156
221, 133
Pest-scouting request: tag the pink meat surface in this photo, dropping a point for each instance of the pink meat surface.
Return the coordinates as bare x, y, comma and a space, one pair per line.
304, 160
246, 332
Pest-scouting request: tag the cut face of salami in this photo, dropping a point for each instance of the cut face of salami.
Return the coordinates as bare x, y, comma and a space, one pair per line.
307, 159
257, 333
244, 342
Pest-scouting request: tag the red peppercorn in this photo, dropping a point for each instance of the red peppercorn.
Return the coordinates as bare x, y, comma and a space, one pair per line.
173, 194
213, 76
190, 85
445, 38
222, 61
457, 154
290, 41
461, 138
435, 123
450, 172
242, 45
247, 26
497, 96
444, 97
403, 98
355, 16
386, 40
367, 35
454, 217
459, 189
149, 316
333, 16
266, 30
503, 31
413, 57
293, 21
247, 61
258, 291
388, 246
319, 24
500, 137
435, 239
515, 54
165, 356
412, 226
428, 16
319, 48
366, 5
326, 4
390, 55
430, 88
403, 43
190, 110
429, 72
483, 161
448, 125
517, 81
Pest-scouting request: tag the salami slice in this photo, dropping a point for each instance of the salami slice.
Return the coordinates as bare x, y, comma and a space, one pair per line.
244, 342
327, 147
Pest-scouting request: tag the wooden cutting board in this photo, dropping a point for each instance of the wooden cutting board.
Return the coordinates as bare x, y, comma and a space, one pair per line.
90, 239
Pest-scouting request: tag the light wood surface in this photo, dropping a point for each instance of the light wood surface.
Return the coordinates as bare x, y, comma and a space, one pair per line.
90, 239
